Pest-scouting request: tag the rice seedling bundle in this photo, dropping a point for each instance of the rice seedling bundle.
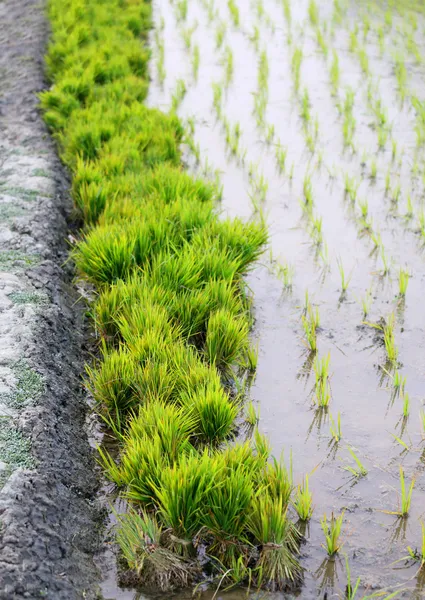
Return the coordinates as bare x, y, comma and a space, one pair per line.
171, 313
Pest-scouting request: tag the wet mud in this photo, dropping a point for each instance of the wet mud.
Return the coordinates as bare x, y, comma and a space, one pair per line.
49, 518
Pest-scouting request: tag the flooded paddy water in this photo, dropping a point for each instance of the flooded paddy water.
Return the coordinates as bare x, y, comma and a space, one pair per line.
310, 115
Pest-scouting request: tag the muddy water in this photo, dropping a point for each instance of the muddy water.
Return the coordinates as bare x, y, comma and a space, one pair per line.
361, 389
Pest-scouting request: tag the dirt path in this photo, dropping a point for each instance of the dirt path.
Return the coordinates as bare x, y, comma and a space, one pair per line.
48, 520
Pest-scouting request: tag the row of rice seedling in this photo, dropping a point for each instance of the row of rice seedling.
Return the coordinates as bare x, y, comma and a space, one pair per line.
171, 313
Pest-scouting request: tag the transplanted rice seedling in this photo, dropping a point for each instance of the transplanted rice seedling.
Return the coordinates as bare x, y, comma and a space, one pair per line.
313, 13
228, 65
418, 554
335, 428
303, 501
361, 470
322, 385
332, 530
220, 34
270, 526
345, 281
297, 58
234, 12
281, 154
406, 403
285, 272
252, 415
403, 281
195, 61
334, 73
178, 95
405, 495
310, 321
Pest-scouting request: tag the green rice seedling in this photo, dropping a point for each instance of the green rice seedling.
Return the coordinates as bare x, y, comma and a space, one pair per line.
226, 339
220, 34
181, 7
382, 137
395, 193
160, 63
254, 38
195, 61
310, 331
234, 12
217, 98
281, 154
364, 61
409, 208
178, 95
313, 13
308, 190
296, 61
401, 75
418, 555
332, 530
399, 383
354, 42
335, 428
373, 169
252, 357
376, 238
305, 107
403, 281
321, 42
405, 494
345, 281
303, 501
270, 527
385, 262
139, 538
364, 209
322, 386
291, 172
389, 338
228, 65
350, 589
361, 470
393, 149
334, 73
270, 133
406, 404
351, 186
285, 272
252, 416
366, 302
316, 232
263, 72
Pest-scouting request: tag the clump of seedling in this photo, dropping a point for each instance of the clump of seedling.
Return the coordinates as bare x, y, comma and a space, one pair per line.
360, 470
234, 12
281, 155
366, 302
403, 281
332, 530
335, 428
405, 495
297, 58
322, 385
345, 281
252, 416
219, 34
311, 322
334, 73
418, 555
387, 328
178, 95
303, 501
285, 272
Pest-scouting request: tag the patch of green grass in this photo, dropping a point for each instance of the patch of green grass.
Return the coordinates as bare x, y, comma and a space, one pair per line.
15, 447
11, 260
28, 388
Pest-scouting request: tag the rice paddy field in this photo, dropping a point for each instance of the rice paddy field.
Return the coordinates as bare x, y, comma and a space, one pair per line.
310, 114
267, 301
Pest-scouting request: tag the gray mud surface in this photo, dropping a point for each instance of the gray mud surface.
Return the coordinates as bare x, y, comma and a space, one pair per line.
49, 521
